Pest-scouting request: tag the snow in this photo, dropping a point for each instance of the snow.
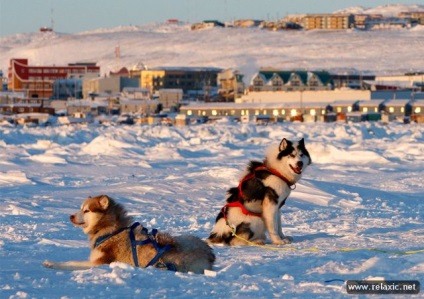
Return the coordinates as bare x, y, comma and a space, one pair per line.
364, 190
385, 10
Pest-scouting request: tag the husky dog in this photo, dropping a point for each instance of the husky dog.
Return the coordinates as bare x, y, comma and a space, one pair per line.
114, 238
253, 207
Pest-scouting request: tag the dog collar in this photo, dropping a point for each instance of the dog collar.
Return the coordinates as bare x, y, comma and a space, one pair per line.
278, 174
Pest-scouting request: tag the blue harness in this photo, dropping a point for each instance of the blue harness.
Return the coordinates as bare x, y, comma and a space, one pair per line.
151, 238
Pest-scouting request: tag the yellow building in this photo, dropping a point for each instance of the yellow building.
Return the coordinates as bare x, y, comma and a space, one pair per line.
199, 79
151, 78
328, 21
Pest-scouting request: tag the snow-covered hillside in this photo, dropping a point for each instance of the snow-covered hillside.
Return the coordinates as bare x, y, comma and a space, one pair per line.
364, 190
378, 52
386, 10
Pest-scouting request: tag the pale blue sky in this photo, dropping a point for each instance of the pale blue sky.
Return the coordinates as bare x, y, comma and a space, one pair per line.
23, 16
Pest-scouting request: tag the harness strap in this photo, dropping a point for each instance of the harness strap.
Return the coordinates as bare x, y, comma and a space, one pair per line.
101, 239
276, 173
273, 171
238, 204
151, 238
250, 176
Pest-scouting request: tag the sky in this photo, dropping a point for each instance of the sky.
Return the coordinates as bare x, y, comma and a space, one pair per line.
23, 16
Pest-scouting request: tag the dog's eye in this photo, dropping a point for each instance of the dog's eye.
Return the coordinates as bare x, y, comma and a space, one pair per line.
292, 155
86, 211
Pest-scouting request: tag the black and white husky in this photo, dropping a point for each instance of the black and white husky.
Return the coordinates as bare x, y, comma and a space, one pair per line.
253, 207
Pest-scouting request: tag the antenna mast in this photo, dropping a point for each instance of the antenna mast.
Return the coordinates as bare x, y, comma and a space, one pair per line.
51, 20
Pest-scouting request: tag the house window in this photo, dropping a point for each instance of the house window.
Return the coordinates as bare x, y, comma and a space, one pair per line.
349, 109
189, 112
258, 83
402, 109
293, 112
275, 112
417, 110
313, 112
391, 109
283, 112
339, 109
256, 112
264, 112
365, 109
214, 112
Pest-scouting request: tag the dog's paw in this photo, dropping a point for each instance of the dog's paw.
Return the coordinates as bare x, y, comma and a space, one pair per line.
283, 241
259, 242
289, 239
48, 264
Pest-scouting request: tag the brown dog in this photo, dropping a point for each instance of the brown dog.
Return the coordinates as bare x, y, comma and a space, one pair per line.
114, 239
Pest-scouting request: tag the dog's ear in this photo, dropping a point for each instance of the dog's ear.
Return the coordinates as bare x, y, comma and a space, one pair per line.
302, 142
283, 144
104, 202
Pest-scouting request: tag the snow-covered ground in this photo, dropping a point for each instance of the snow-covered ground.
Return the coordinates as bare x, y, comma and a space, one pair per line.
364, 190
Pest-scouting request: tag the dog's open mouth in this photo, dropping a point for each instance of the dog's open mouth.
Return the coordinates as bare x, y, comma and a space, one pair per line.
296, 169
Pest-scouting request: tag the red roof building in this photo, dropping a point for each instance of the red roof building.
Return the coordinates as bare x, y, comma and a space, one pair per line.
37, 81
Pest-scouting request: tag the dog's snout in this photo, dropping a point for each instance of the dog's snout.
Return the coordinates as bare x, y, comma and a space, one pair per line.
299, 164
71, 217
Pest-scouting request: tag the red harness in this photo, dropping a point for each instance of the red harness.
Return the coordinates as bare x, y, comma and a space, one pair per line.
238, 204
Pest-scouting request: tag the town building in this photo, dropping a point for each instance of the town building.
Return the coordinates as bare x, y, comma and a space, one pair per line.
207, 24
202, 80
67, 88
277, 80
231, 85
295, 18
255, 111
85, 108
109, 85
136, 93
368, 106
412, 80
413, 15
353, 81
328, 21
246, 23
138, 107
37, 81
395, 109
123, 72
1, 80
170, 98
325, 96
17, 103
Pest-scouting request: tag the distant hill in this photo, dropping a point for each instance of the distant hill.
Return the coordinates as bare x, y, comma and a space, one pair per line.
385, 10
351, 51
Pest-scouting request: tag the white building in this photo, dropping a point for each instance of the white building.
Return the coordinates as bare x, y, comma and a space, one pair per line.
304, 96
